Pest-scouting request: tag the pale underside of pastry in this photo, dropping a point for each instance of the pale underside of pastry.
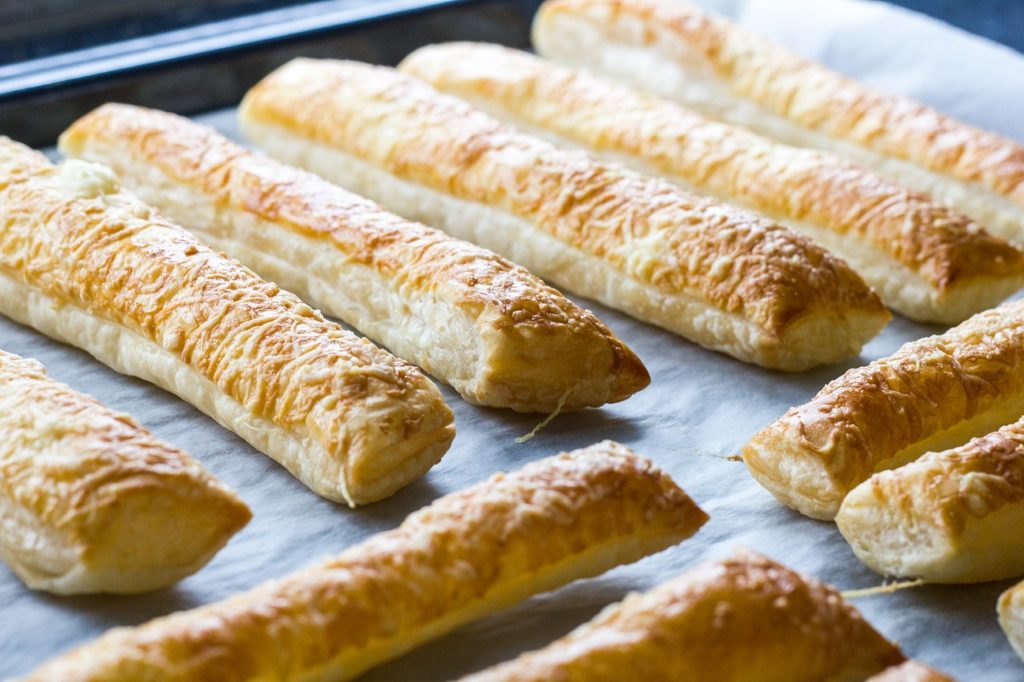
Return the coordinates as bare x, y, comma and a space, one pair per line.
1011, 616
468, 554
926, 260
743, 619
489, 328
673, 49
949, 517
718, 276
87, 263
90, 501
932, 394
910, 671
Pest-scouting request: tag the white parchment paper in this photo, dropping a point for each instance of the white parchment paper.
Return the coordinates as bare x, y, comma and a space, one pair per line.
700, 408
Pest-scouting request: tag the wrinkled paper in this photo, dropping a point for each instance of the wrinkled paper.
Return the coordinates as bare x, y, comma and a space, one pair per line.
700, 408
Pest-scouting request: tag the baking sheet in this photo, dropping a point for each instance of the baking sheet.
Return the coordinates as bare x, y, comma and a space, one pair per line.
700, 408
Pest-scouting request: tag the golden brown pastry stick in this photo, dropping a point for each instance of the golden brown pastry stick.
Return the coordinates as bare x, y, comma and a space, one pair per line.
468, 554
910, 671
489, 328
744, 619
87, 263
932, 394
949, 517
91, 501
673, 49
718, 276
1011, 616
925, 260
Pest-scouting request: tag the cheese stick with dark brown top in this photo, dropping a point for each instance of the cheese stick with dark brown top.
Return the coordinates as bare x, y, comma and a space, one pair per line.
674, 49
718, 276
489, 328
744, 619
85, 262
926, 260
90, 501
932, 394
466, 555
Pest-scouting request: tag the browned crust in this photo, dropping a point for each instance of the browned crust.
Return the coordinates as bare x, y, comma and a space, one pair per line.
816, 97
497, 293
666, 238
103, 250
871, 413
441, 559
911, 671
939, 244
744, 619
69, 463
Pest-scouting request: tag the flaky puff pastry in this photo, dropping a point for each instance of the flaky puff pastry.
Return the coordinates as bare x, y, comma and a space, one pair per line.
949, 517
489, 328
1011, 616
674, 49
87, 263
469, 553
744, 619
910, 671
925, 259
932, 394
713, 274
91, 501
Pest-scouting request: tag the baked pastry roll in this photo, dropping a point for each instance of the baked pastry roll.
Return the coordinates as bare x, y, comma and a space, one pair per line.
1011, 616
932, 394
955, 516
466, 555
925, 259
489, 328
87, 263
718, 276
744, 619
910, 671
673, 49
93, 502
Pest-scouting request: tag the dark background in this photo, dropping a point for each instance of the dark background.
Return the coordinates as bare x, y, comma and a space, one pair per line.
999, 20
40, 28
60, 58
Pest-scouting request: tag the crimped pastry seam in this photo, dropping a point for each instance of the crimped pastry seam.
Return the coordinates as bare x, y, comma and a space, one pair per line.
952, 516
675, 49
932, 394
925, 259
88, 263
495, 332
722, 277
469, 553
743, 619
93, 502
